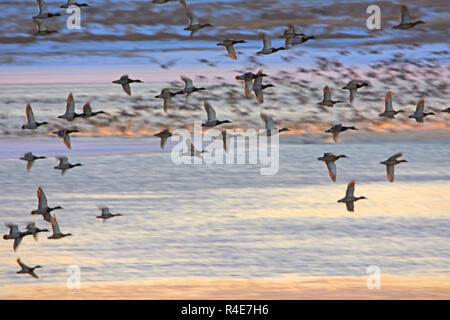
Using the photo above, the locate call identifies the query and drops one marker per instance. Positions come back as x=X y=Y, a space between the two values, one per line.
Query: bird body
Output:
x=70 y=113
x=43 y=209
x=327 y=101
x=33 y=230
x=188 y=87
x=247 y=78
x=87 y=111
x=338 y=128
x=30 y=158
x=64 y=134
x=31 y=121
x=26 y=269
x=125 y=81
x=167 y=95
x=269 y=124
x=57 y=234
x=353 y=86
x=258 y=86
x=194 y=24
x=106 y=214
x=419 y=114
x=229 y=46
x=389 y=112
x=42 y=29
x=64 y=165
x=14 y=234
x=212 y=119
x=164 y=135
x=405 y=20
x=267 y=46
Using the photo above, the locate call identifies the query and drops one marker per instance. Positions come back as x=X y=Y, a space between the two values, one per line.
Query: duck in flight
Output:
x=258 y=86
x=330 y=159
x=43 y=11
x=267 y=46
x=338 y=128
x=269 y=124
x=419 y=114
x=43 y=208
x=26 y=269
x=57 y=234
x=87 y=111
x=327 y=101
x=164 y=135
x=247 y=78
x=194 y=24
x=70 y=113
x=125 y=81
x=290 y=33
x=64 y=134
x=389 y=112
x=188 y=87
x=30 y=158
x=353 y=87
x=14 y=234
x=229 y=46
x=31 y=121
x=167 y=95
x=33 y=230
x=64 y=165
x=106 y=214
x=350 y=198
x=73 y=3
x=390 y=163
x=212 y=119
x=405 y=20
x=42 y=29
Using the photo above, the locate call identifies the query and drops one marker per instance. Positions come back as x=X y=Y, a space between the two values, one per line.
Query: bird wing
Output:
x=30 y=114
x=166 y=104
x=126 y=88
x=17 y=242
x=350 y=189
x=87 y=110
x=42 y=7
x=66 y=140
x=21 y=264
x=335 y=136
x=30 y=225
x=350 y=206
x=163 y=142
x=259 y=95
x=40 y=26
x=29 y=165
x=55 y=226
x=326 y=94
x=287 y=42
x=268 y=121
x=395 y=156
x=332 y=170
x=267 y=42
x=183 y=2
x=231 y=52
x=193 y=20
x=388 y=102
x=405 y=18
x=70 y=104
x=352 y=95
x=248 y=87
x=210 y=111
x=390 y=173
x=62 y=160
x=420 y=105
x=42 y=199
x=187 y=83
x=13 y=228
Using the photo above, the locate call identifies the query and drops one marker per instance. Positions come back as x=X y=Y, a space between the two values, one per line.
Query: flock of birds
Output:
x=253 y=83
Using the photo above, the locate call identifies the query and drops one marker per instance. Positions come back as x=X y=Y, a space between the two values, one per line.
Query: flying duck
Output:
x=192 y=151
x=390 y=164
x=258 y=86
x=211 y=114
x=302 y=39
x=389 y=112
x=194 y=24
x=267 y=46
x=327 y=101
x=42 y=29
x=73 y=3
x=30 y=158
x=70 y=113
x=183 y=2
x=188 y=87
x=350 y=198
x=419 y=114
x=87 y=111
x=228 y=44
x=43 y=11
x=31 y=121
x=338 y=128
x=446 y=110
x=33 y=230
x=43 y=208
x=124 y=81
x=57 y=234
x=329 y=159
x=405 y=20
x=353 y=86
x=290 y=33
x=247 y=78
x=164 y=135
x=64 y=134
x=26 y=269
x=167 y=95
x=270 y=125
x=106 y=214
x=14 y=233
x=65 y=165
